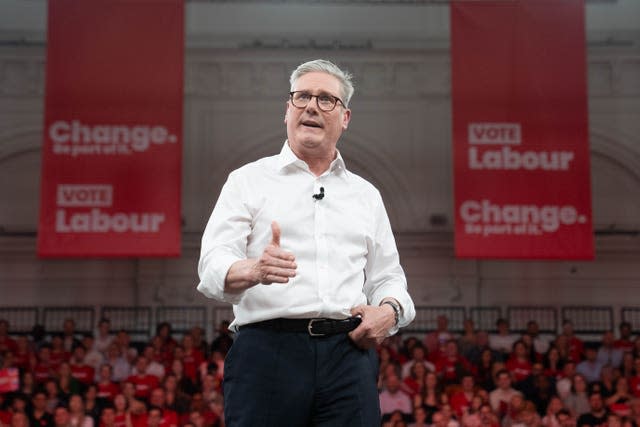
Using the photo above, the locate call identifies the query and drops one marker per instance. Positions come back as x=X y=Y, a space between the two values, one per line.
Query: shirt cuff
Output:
x=212 y=281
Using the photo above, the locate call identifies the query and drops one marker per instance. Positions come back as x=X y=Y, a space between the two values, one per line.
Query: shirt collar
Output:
x=287 y=158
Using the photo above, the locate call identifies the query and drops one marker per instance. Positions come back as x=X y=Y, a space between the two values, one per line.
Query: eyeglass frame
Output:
x=317 y=97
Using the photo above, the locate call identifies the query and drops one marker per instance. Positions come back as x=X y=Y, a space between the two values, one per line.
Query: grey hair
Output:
x=324 y=66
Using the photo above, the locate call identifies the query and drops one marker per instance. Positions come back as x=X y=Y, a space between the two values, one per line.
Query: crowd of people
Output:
x=443 y=379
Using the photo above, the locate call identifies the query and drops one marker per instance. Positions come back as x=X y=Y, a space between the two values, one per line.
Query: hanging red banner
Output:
x=520 y=130
x=111 y=164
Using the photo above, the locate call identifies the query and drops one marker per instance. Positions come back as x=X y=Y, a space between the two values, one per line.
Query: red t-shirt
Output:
x=520 y=369
x=459 y=402
x=8 y=344
x=634 y=385
x=83 y=373
x=108 y=391
x=144 y=384
x=42 y=372
x=191 y=362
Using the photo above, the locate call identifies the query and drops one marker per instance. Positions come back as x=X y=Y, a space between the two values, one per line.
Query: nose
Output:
x=312 y=106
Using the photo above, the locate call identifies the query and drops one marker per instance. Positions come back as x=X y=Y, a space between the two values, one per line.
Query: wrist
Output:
x=395 y=307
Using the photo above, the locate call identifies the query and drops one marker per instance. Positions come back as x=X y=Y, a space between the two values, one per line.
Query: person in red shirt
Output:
x=461 y=400
x=634 y=381
x=107 y=389
x=58 y=353
x=43 y=369
x=6 y=342
x=158 y=399
x=23 y=356
x=576 y=345
x=191 y=358
x=451 y=366
x=143 y=381
x=519 y=364
x=625 y=342
x=82 y=372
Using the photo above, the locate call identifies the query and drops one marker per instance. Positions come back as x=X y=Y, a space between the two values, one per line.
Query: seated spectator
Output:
x=167 y=344
x=553 y=363
x=514 y=411
x=417 y=356
x=635 y=411
x=158 y=399
x=451 y=366
x=433 y=395
x=619 y=402
x=61 y=416
x=608 y=354
x=80 y=370
x=58 y=353
x=103 y=337
x=485 y=369
x=125 y=348
x=575 y=344
x=625 y=342
x=392 y=398
x=77 y=416
x=107 y=389
x=434 y=341
x=500 y=398
x=413 y=384
x=69 y=338
x=444 y=417
x=550 y=418
x=627 y=367
x=538 y=388
x=419 y=418
x=606 y=384
x=67 y=384
x=590 y=367
x=502 y=342
x=468 y=339
x=577 y=401
x=184 y=383
x=222 y=342
x=53 y=393
x=143 y=381
x=540 y=344
x=474 y=354
x=19 y=419
x=177 y=400
x=121 y=408
x=488 y=417
x=563 y=385
x=192 y=358
x=108 y=417
x=91 y=406
x=154 y=367
x=38 y=415
x=120 y=367
x=471 y=415
x=92 y=356
x=461 y=400
x=23 y=356
x=519 y=364
x=6 y=342
x=597 y=414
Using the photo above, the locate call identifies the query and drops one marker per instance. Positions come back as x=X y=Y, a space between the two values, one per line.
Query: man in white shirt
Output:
x=295 y=238
x=500 y=398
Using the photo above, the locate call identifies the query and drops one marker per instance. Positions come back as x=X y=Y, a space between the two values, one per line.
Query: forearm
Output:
x=241 y=276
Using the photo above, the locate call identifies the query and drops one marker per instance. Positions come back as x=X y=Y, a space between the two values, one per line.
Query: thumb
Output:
x=275 y=234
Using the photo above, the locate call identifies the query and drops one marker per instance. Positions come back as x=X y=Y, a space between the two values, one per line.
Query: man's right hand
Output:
x=275 y=265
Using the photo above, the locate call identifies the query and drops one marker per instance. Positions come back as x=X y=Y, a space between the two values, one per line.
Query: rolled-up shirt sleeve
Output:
x=224 y=242
x=384 y=275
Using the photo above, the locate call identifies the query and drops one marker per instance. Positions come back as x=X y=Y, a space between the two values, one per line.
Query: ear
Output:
x=346 y=117
x=286 y=111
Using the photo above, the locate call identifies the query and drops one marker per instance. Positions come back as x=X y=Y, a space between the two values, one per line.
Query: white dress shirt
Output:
x=343 y=245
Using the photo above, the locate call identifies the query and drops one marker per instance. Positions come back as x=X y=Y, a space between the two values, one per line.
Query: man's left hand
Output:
x=376 y=323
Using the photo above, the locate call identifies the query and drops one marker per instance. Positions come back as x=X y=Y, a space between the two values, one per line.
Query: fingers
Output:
x=275 y=234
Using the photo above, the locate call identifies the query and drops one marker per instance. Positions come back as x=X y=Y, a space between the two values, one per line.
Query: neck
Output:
x=318 y=162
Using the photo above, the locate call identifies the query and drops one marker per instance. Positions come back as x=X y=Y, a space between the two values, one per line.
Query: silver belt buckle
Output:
x=310 y=325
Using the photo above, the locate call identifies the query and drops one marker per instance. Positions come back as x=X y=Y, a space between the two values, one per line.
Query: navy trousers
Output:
x=291 y=379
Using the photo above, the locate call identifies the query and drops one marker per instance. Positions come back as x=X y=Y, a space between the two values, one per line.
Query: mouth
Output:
x=311 y=124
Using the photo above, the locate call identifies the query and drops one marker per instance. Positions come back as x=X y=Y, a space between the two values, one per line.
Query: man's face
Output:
x=311 y=131
x=595 y=401
x=61 y=416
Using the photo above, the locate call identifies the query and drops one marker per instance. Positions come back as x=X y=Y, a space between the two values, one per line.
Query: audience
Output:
x=472 y=380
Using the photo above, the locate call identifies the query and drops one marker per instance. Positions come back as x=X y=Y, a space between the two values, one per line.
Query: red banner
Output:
x=520 y=132
x=111 y=170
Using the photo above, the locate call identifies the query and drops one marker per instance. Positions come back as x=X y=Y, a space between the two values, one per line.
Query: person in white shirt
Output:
x=303 y=249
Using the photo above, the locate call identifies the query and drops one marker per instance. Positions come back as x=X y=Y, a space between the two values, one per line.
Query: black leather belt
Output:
x=314 y=327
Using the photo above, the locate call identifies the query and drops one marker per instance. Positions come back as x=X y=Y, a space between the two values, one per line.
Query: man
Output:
x=608 y=354
x=625 y=343
x=590 y=367
x=436 y=340
x=294 y=238
x=598 y=414
x=500 y=398
x=392 y=398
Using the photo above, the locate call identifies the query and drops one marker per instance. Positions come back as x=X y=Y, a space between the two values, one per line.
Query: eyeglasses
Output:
x=325 y=102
